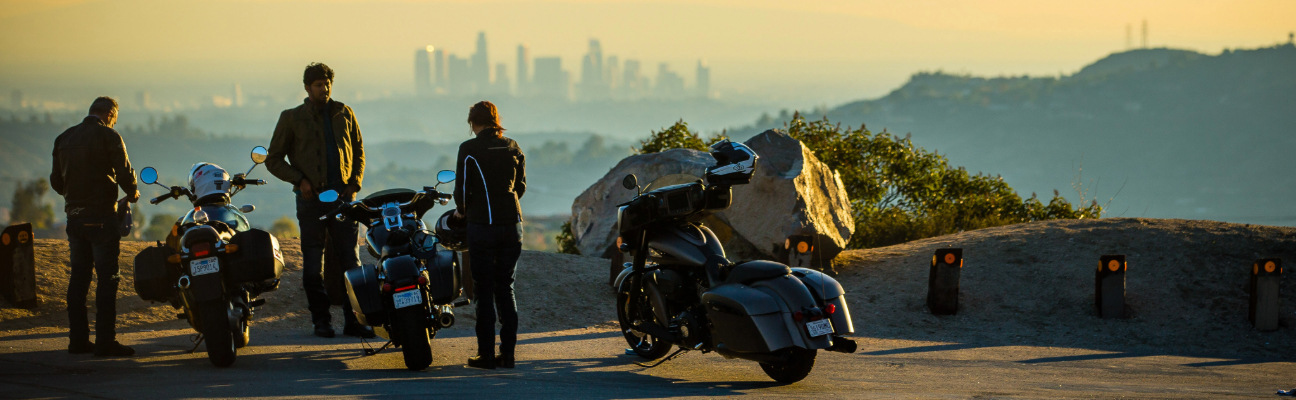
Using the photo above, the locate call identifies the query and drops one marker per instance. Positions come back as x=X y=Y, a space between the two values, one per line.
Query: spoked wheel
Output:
x=218 y=333
x=798 y=365
x=632 y=307
x=410 y=325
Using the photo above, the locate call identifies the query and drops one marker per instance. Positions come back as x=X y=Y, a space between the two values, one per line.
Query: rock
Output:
x=792 y=193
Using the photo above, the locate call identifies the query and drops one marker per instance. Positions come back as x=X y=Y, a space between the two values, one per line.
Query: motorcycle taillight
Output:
x=201 y=249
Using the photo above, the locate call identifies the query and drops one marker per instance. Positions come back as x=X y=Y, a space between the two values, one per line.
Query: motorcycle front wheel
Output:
x=217 y=333
x=632 y=306
x=798 y=365
x=410 y=325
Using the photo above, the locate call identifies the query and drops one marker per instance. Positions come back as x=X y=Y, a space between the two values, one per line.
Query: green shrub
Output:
x=900 y=192
x=284 y=228
x=29 y=204
x=566 y=242
x=677 y=136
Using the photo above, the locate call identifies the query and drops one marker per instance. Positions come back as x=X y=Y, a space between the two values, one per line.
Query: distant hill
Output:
x=1192 y=135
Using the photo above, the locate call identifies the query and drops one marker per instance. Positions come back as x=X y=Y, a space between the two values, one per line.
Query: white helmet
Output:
x=735 y=164
x=207 y=179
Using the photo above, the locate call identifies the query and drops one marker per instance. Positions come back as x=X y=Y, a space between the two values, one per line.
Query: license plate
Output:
x=204 y=266
x=819 y=328
x=408 y=298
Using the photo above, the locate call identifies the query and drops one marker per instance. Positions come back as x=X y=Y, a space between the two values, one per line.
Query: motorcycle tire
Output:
x=217 y=333
x=798 y=365
x=630 y=305
x=411 y=327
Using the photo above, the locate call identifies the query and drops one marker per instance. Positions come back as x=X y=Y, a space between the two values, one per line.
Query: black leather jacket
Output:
x=490 y=178
x=90 y=163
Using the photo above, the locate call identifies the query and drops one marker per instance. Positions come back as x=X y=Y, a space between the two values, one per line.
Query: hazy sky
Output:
x=828 y=50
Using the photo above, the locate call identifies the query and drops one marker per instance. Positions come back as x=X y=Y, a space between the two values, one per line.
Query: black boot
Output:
x=324 y=330
x=81 y=346
x=504 y=361
x=358 y=330
x=112 y=349
x=482 y=362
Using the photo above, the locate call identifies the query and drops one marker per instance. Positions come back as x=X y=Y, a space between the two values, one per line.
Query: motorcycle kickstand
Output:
x=197 y=341
x=672 y=356
x=369 y=351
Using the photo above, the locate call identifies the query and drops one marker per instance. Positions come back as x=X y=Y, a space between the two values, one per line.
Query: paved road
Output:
x=588 y=364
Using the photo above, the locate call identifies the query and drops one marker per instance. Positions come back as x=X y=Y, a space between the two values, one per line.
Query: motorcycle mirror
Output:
x=445 y=176
x=247 y=208
x=259 y=154
x=328 y=196
x=148 y=175
x=630 y=182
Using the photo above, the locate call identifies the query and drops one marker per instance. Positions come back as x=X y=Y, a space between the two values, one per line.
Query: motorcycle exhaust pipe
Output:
x=446 y=319
x=843 y=345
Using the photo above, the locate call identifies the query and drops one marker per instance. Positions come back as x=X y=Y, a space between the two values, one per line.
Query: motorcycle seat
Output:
x=756 y=270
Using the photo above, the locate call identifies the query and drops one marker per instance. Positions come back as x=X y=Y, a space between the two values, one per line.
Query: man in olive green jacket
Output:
x=321 y=141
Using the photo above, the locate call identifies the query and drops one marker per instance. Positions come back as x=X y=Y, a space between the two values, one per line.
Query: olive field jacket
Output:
x=299 y=137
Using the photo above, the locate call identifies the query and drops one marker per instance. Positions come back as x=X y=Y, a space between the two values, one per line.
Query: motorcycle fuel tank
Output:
x=685 y=244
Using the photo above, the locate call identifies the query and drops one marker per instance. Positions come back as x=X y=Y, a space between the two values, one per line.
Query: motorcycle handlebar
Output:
x=445 y=197
x=158 y=199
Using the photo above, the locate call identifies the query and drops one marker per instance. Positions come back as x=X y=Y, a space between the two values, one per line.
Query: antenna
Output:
x=1129 y=36
x=1145 y=33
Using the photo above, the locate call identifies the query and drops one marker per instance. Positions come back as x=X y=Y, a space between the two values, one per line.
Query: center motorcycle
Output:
x=214 y=264
x=408 y=296
x=681 y=290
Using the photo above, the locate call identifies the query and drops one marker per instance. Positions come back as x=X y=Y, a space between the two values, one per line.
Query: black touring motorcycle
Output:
x=213 y=264
x=408 y=296
x=681 y=290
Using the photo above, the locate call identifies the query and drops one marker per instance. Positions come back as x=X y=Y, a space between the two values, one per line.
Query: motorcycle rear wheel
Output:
x=218 y=333
x=410 y=325
x=629 y=306
x=798 y=365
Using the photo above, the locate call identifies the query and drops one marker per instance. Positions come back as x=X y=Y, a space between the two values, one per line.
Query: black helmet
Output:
x=735 y=164
x=453 y=232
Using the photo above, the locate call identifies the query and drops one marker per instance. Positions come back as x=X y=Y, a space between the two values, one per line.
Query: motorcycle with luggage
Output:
x=213 y=265
x=681 y=290
x=410 y=293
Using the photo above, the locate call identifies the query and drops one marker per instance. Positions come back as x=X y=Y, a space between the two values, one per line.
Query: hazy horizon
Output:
x=761 y=52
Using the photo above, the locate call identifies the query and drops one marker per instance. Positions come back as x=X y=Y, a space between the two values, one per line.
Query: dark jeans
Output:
x=314 y=236
x=94 y=244
x=494 y=251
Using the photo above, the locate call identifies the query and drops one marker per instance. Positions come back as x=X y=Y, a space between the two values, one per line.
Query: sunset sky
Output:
x=827 y=50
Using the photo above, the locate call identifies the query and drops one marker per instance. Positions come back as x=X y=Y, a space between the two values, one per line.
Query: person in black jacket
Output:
x=90 y=163
x=491 y=172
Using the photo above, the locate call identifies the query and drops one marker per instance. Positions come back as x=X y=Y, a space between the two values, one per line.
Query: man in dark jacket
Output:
x=90 y=163
x=321 y=142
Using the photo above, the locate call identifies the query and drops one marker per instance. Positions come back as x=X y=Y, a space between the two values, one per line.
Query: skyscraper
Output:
x=612 y=73
x=501 y=80
x=422 y=72
x=550 y=80
x=632 y=82
x=703 y=88
x=592 y=85
x=480 y=65
x=440 y=74
x=459 y=79
x=669 y=83
x=523 y=58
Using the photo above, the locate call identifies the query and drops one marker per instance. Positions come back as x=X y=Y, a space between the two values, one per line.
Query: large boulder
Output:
x=791 y=193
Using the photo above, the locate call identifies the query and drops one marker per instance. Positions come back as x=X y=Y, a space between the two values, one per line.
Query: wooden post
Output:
x=799 y=251
x=1266 y=274
x=18 y=266
x=1109 y=286
x=943 y=281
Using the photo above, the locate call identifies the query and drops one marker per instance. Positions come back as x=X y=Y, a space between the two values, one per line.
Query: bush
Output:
x=900 y=192
x=160 y=226
x=29 y=204
x=677 y=136
x=566 y=242
x=284 y=228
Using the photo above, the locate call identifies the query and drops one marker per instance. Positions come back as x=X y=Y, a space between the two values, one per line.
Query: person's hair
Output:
x=485 y=114
x=103 y=105
x=317 y=71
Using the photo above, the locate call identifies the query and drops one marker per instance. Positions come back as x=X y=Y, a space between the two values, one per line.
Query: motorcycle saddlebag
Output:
x=745 y=320
x=154 y=279
x=258 y=258
x=443 y=284
x=365 y=294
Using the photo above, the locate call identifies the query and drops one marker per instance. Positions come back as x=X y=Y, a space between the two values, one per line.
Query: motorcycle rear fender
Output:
x=207 y=287
x=365 y=293
x=828 y=291
x=400 y=270
x=794 y=297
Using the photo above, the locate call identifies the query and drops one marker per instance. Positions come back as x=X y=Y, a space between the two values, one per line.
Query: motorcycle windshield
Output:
x=224 y=213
